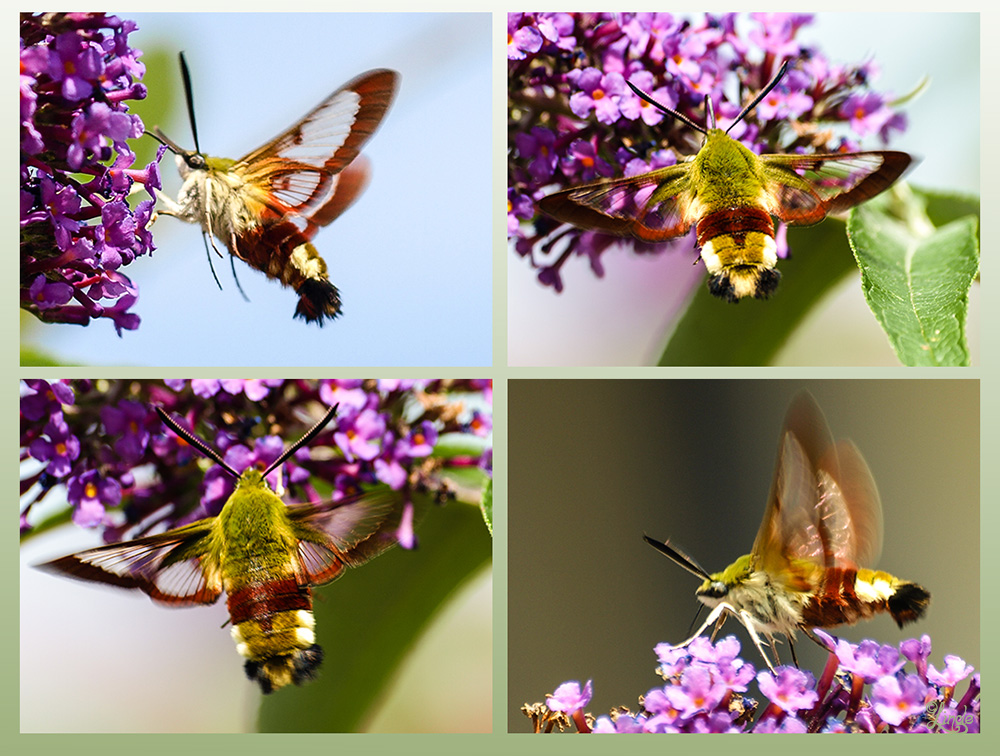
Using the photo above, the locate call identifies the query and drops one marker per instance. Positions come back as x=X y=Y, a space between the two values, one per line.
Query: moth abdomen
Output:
x=738 y=247
x=273 y=630
x=284 y=253
x=740 y=281
x=849 y=595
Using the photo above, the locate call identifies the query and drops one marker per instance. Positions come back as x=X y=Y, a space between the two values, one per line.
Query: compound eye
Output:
x=196 y=161
x=716 y=589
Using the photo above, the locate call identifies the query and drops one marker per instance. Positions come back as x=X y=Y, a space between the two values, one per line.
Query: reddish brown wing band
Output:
x=809 y=187
x=167 y=567
x=301 y=165
x=893 y=166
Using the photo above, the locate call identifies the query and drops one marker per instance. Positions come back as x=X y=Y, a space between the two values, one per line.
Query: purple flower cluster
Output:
x=572 y=119
x=96 y=443
x=706 y=686
x=77 y=229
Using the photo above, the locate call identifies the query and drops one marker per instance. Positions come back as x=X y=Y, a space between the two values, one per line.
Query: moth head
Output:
x=718 y=585
x=187 y=160
x=190 y=161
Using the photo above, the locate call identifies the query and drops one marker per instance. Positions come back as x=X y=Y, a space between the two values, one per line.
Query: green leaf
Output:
x=944 y=207
x=917 y=276
x=713 y=332
x=31 y=357
x=459 y=445
x=368 y=621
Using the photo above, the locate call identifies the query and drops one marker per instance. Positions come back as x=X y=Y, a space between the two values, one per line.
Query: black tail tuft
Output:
x=908 y=603
x=721 y=284
x=767 y=283
x=307 y=664
x=318 y=299
x=276 y=672
x=721 y=287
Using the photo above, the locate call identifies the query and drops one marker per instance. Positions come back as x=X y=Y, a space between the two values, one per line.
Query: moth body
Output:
x=263 y=554
x=269 y=603
x=729 y=194
x=816 y=597
x=822 y=523
x=236 y=212
x=774 y=610
x=267 y=207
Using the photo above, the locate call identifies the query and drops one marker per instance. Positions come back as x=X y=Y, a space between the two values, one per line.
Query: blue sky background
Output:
x=412 y=259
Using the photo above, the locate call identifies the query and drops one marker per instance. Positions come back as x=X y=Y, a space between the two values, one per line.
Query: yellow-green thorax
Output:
x=253 y=531
x=726 y=175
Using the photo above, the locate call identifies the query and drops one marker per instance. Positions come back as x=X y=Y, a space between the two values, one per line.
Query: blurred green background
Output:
x=626 y=317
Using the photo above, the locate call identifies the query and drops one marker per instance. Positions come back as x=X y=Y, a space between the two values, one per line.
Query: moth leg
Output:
x=232 y=265
x=208 y=220
x=208 y=254
x=809 y=634
x=746 y=620
x=234 y=250
x=718 y=626
x=167 y=206
x=206 y=233
x=713 y=616
x=791 y=647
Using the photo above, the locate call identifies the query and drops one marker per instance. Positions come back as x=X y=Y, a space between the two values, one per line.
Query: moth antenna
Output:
x=162 y=138
x=763 y=93
x=195 y=441
x=309 y=436
x=678 y=557
x=189 y=96
x=664 y=109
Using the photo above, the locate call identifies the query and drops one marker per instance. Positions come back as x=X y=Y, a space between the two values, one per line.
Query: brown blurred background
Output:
x=594 y=464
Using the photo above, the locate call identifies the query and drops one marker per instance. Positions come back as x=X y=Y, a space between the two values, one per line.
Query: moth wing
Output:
x=297 y=171
x=850 y=512
x=788 y=529
x=346 y=533
x=823 y=509
x=350 y=183
x=651 y=207
x=175 y=567
x=804 y=189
